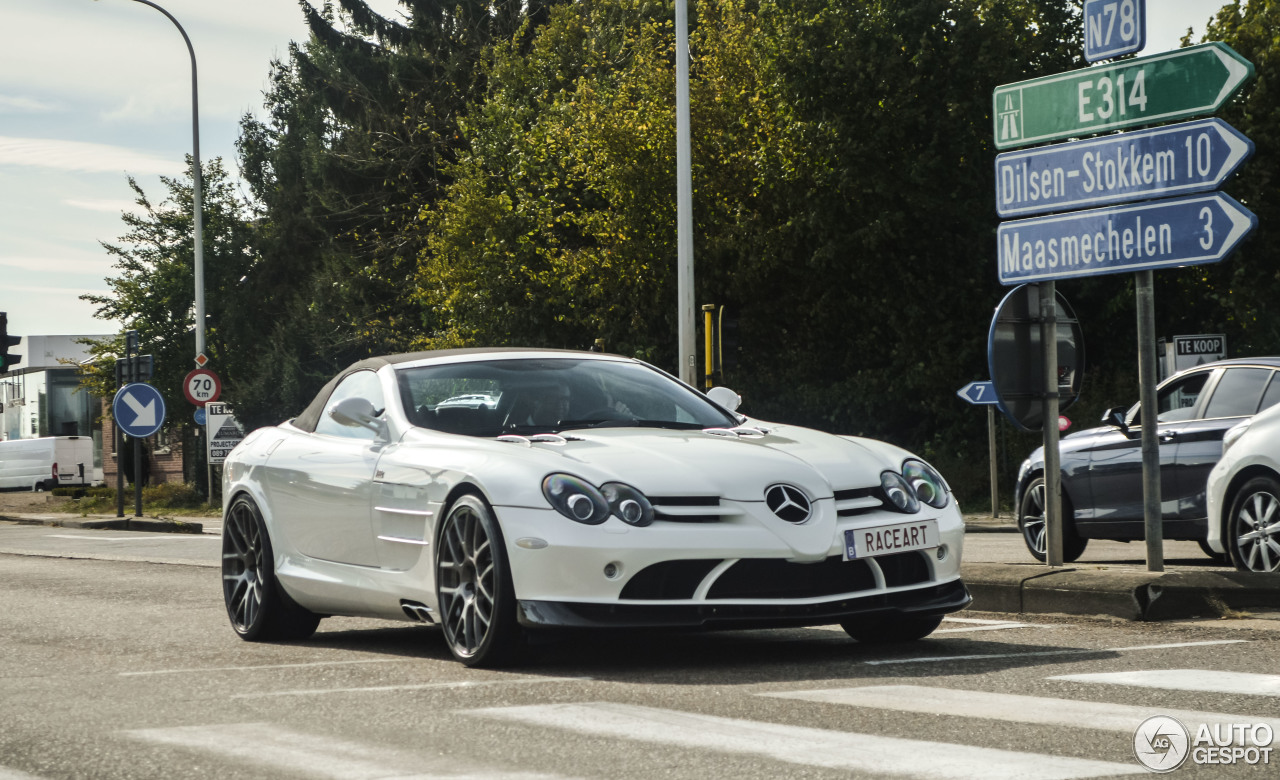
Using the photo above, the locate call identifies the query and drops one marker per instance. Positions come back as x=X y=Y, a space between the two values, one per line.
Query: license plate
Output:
x=888 y=539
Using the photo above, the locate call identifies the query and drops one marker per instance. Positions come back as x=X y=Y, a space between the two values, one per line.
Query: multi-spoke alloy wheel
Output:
x=258 y=610
x=477 y=602
x=1032 y=524
x=1255 y=526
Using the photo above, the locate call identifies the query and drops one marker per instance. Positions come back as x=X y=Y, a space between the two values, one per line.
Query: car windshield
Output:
x=548 y=395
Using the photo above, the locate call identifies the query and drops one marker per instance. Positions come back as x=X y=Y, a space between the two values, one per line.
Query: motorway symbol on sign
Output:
x=978 y=393
x=1171 y=160
x=138 y=410
x=1180 y=84
x=1113 y=28
x=1193 y=230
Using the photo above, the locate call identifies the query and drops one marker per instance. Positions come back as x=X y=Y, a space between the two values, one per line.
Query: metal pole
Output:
x=137 y=477
x=687 y=347
x=709 y=328
x=197 y=183
x=1151 y=515
x=119 y=437
x=1052 y=467
x=991 y=457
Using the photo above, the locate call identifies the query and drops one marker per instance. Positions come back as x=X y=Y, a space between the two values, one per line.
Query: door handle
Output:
x=1168 y=436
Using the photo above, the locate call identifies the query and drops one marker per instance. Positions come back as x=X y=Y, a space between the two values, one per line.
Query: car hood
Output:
x=662 y=462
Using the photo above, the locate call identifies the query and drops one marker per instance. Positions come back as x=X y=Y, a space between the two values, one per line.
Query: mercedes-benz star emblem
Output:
x=788 y=502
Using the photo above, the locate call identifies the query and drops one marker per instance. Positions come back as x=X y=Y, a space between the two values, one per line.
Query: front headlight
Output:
x=576 y=499
x=1233 y=434
x=926 y=483
x=898 y=491
x=628 y=504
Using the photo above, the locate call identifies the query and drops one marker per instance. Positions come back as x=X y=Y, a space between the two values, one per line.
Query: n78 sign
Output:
x=1113 y=28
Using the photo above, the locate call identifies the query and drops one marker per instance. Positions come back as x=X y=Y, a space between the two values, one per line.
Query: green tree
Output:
x=362 y=122
x=153 y=291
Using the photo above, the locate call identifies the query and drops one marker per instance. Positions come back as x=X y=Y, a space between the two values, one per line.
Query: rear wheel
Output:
x=258 y=608
x=885 y=631
x=1253 y=532
x=1035 y=532
x=473 y=587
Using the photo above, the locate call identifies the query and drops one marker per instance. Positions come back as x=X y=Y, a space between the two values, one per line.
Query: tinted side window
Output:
x=1272 y=395
x=362 y=384
x=1177 y=401
x=1238 y=393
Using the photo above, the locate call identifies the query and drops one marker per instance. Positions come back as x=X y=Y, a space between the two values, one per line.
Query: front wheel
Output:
x=473 y=587
x=884 y=631
x=1032 y=522
x=259 y=610
x=1253 y=533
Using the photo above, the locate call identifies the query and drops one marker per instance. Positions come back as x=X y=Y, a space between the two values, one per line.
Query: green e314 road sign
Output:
x=1163 y=87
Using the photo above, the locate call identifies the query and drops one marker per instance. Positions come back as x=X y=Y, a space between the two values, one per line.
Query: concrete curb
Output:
x=1130 y=595
x=148 y=524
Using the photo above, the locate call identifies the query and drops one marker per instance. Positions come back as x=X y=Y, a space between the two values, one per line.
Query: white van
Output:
x=43 y=464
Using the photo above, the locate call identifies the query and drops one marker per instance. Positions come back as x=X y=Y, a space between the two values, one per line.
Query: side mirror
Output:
x=1115 y=418
x=725 y=397
x=357 y=412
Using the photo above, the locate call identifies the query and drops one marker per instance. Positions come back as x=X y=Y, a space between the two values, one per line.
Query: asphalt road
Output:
x=128 y=669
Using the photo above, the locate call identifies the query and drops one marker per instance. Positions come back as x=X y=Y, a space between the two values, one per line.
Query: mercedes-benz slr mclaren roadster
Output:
x=500 y=493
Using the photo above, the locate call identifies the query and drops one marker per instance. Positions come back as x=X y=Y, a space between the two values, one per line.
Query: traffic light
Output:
x=7 y=360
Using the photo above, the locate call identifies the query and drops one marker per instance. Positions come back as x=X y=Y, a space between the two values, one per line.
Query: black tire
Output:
x=260 y=611
x=473 y=587
x=1212 y=553
x=1253 y=527
x=884 y=631
x=1031 y=522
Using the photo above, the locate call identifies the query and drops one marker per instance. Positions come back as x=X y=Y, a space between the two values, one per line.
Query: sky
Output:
x=94 y=91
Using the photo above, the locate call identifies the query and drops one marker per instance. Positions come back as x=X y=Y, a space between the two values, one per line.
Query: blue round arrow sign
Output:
x=138 y=410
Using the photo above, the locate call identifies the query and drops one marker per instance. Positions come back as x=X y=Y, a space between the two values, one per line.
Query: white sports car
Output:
x=596 y=491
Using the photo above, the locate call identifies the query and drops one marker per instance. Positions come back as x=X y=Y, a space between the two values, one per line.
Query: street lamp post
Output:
x=198 y=186
x=686 y=336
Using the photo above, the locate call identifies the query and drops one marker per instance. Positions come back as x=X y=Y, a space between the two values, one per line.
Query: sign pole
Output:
x=1151 y=513
x=991 y=457
x=1052 y=463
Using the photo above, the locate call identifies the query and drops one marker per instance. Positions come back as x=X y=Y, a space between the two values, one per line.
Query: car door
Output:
x=321 y=483
x=1115 y=464
x=1235 y=396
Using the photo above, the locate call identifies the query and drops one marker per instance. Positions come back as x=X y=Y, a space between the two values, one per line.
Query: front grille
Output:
x=858 y=501
x=771 y=578
x=686 y=509
x=668 y=580
x=907 y=568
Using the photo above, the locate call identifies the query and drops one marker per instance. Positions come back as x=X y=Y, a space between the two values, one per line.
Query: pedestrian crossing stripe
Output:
x=805 y=746
x=1202 y=680
x=1014 y=708
x=321 y=756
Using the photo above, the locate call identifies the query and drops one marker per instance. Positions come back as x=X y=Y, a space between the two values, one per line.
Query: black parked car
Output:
x=1102 y=467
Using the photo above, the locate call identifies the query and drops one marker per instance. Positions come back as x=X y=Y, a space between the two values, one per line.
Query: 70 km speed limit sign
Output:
x=202 y=386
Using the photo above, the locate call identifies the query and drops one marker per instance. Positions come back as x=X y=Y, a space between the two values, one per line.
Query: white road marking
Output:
x=968 y=624
x=415 y=687
x=1205 y=680
x=94 y=538
x=805 y=746
x=13 y=774
x=1011 y=707
x=263 y=744
x=1034 y=653
x=208 y=669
